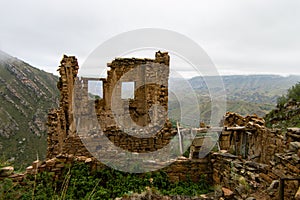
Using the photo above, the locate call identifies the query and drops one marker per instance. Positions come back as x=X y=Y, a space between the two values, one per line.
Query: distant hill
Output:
x=26 y=95
x=246 y=94
x=251 y=88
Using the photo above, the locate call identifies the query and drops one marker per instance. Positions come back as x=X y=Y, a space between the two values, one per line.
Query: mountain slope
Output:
x=246 y=94
x=26 y=95
x=287 y=111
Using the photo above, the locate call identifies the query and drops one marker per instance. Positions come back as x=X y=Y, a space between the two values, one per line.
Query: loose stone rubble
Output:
x=258 y=158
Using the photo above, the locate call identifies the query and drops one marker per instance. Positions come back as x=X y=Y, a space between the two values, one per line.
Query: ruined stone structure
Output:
x=249 y=138
x=150 y=78
x=250 y=160
x=141 y=116
x=254 y=158
x=129 y=123
x=62 y=137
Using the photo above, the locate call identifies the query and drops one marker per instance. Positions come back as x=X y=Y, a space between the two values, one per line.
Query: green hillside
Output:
x=287 y=111
x=26 y=95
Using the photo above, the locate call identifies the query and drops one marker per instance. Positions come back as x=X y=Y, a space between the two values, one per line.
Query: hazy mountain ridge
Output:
x=26 y=95
x=245 y=94
x=251 y=88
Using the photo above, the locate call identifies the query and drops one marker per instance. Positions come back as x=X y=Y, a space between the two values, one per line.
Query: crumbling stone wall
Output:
x=249 y=138
x=142 y=115
x=248 y=178
x=61 y=127
x=151 y=88
x=253 y=166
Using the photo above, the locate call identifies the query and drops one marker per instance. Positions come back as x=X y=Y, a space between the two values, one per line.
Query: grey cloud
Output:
x=243 y=36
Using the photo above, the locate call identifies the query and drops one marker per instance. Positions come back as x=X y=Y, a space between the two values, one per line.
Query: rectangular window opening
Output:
x=127 y=90
x=95 y=89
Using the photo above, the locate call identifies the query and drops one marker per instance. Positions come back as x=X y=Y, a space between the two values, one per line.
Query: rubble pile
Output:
x=235 y=120
x=255 y=158
x=249 y=138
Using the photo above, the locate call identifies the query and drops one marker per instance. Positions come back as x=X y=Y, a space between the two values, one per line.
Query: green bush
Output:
x=294 y=92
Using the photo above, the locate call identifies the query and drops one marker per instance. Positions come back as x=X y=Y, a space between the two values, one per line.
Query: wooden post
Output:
x=281 y=189
x=180 y=139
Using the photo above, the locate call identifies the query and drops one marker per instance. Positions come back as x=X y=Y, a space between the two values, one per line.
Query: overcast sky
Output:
x=241 y=37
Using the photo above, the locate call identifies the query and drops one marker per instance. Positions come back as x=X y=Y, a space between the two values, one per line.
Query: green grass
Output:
x=78 y=182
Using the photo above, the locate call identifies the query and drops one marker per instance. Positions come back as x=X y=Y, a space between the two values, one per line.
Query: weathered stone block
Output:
x=6 y=171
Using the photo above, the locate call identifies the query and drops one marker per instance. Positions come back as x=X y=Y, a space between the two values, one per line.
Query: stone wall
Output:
x=136 y=115
x=248 y=178
x=61 y=121
x=142 y=115
x=254 y=159
x=124 y=121
x=248 y=138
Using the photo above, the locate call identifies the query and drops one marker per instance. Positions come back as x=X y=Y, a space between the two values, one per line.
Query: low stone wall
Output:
x=195 y=169
x=241 y=176
x=182 y=169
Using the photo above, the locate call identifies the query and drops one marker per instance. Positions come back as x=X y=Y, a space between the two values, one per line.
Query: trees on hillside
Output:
x=292 y=94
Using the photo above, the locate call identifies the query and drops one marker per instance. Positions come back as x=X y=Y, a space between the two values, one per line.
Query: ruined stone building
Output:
x=250 y=160
x=150 y=79
x=137 y=124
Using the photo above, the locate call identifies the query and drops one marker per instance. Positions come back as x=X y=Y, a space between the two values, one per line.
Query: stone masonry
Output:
x=150 y=77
